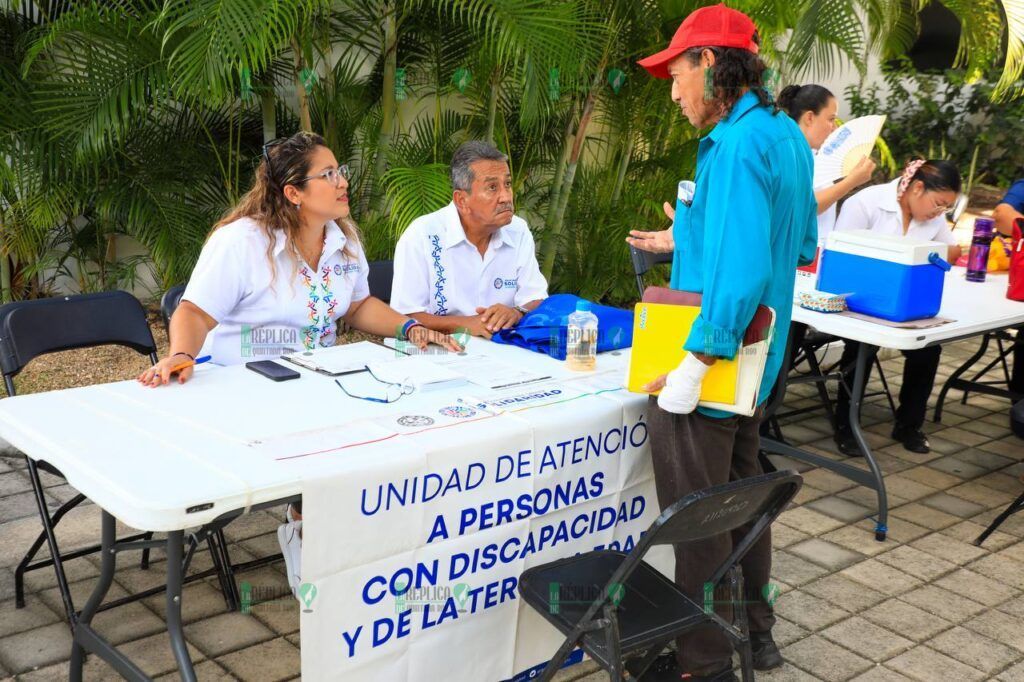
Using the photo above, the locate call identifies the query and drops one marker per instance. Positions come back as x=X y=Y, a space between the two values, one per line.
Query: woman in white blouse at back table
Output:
x=914 y=206
x=814 y=109
x=276 y=274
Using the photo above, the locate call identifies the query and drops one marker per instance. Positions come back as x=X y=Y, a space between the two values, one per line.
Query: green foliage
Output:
x=145 y=118
x=945 y=115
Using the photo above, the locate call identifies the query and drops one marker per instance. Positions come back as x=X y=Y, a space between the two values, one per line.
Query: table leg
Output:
x=873 y=477
x=864 y=356
x=87 y=639
x=952 y=381
x=175 y=576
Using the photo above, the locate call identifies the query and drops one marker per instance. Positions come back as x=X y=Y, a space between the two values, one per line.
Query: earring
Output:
x=298 y=205
x=709 y=85
x=771 y=81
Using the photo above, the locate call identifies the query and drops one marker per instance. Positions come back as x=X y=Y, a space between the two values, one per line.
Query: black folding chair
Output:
x=381 y=274
x=1008 y=344
x=169 y=303
x=29 y=329
x=643 y=262
x=618 y=606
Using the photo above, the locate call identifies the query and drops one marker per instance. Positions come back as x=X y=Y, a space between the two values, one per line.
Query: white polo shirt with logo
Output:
x=438 y=271
x=263 y=314
x=876 y=208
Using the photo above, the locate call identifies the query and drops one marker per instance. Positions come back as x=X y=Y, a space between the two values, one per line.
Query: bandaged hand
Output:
x=682 y=386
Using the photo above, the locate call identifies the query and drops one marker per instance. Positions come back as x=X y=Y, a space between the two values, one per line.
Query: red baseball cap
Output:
x=715 y=26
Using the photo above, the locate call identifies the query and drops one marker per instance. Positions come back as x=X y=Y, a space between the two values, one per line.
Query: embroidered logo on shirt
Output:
x=346 y=268
x=500 y=283
x=439 y=282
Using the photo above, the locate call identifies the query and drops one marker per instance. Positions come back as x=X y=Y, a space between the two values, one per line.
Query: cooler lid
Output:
x=893 y=248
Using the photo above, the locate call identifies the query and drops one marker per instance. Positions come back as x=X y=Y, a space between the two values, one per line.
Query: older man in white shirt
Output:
x=473 y=264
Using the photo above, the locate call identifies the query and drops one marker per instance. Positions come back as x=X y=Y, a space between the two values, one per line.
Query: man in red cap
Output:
x=737 y=238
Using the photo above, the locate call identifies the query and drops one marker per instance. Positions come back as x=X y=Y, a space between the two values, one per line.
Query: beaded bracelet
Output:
x=407 y=327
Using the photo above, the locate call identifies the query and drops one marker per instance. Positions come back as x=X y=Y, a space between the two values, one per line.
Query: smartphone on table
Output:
x=272 y=370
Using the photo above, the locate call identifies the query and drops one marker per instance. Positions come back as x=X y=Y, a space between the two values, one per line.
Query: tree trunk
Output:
x=556 y=182
x=620 y=178
x=492 y=105
x=268 y=110
x=388 y=104
x=555 y=228
x=6 y=295
x=109 y=259
x=305 y=122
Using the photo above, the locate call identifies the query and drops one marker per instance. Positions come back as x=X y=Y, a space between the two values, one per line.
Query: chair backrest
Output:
x=722 y=508
x=643 y=261
x=169 y=303
x=705 y=513
x=380 y=276
x=29 y=329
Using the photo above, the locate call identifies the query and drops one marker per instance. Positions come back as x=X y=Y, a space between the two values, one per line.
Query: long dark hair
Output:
x=284 y=162
x=734 y=69
x=797 y=100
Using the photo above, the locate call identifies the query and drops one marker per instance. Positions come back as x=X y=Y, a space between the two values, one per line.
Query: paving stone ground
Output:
x=926 y=605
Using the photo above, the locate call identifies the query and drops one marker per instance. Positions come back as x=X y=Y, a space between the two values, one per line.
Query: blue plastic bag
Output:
x=545 y=329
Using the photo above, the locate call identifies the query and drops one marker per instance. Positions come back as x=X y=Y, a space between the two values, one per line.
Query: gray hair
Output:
x=467 y=154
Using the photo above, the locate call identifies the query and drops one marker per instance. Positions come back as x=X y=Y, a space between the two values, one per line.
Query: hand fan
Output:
x=845 y=147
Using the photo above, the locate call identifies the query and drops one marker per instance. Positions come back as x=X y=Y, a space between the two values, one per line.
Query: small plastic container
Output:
x=581 y=346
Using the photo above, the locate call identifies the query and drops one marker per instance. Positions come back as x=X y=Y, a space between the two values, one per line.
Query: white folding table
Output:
x=197 y=456
x=975 y=308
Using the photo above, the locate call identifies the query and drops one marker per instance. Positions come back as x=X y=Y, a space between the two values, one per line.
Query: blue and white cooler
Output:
x=886 y=276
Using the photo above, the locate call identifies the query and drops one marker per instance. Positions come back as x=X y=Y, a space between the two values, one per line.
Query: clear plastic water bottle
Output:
x=581 y=349
x=977 y=260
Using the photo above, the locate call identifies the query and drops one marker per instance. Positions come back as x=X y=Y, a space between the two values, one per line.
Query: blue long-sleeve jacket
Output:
x=752 y=221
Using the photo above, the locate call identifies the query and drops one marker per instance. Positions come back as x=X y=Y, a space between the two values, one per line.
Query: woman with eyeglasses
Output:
x=914 y=206
x=275 y=276
x=280 y=269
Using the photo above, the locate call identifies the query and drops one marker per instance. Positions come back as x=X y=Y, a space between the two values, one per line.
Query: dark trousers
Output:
x=692 y=452
x=918 y=381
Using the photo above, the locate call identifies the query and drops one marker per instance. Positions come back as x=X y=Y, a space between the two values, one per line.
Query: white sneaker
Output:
x=288 y=534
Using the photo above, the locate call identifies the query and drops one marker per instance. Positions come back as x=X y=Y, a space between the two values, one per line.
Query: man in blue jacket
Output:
x=753 y=218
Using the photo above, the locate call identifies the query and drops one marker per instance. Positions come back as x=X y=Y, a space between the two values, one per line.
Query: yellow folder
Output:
x=659 y=331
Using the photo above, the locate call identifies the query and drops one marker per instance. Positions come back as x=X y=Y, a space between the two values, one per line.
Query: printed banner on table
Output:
x=413 y=549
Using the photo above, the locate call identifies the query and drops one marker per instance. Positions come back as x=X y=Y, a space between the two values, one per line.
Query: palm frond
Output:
x=1010 y=85
x=826 y=31
x=209 y=42
x=415 y=191
x=980 y=34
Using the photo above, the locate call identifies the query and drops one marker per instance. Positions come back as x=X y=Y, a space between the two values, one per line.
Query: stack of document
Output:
x=660 y=330
x=419 y=371
x=344 y=359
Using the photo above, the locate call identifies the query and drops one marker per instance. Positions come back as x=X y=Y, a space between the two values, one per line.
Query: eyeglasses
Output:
x=393 y=393
x=938 y=207
x=268 y=145
x=331 y=175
